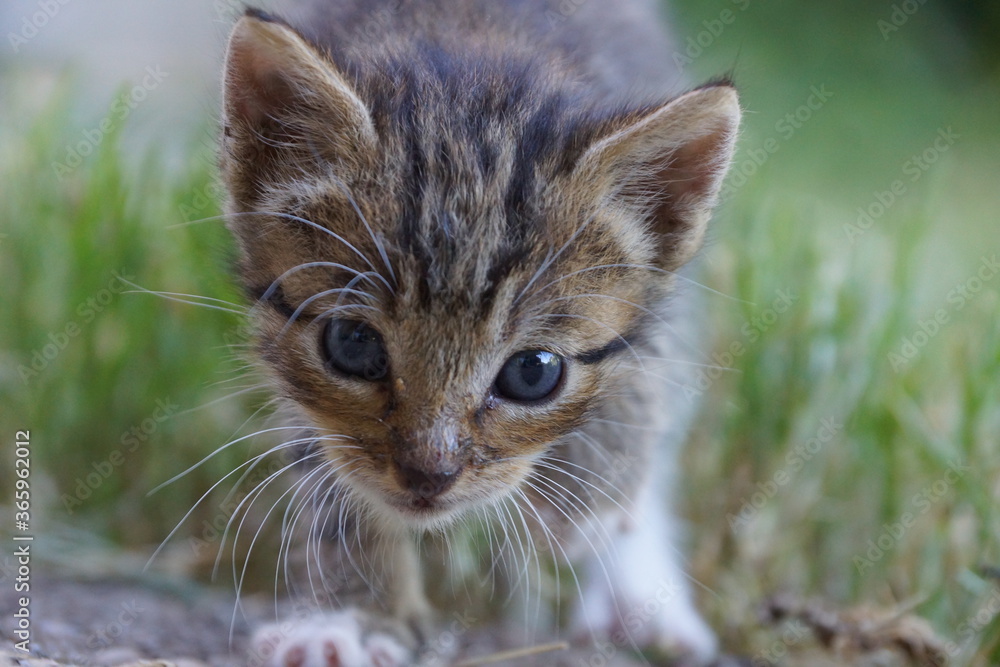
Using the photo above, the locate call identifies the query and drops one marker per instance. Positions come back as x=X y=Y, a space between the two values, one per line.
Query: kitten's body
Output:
x=472 y=180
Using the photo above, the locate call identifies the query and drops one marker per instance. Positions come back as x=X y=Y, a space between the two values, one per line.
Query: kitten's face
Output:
x=452 y=281
x=448 y=368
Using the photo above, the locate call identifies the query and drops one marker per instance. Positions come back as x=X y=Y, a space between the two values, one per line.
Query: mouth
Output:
x=424 y=511
x=422 y=503
x=420 y=506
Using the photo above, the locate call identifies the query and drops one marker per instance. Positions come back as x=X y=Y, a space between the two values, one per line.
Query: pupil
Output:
x=356 y=349
x=358 y=339
x=533 y=367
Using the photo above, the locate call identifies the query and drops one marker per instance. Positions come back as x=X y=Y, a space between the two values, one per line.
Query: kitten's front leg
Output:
x=640 y=597
x=404 y=584
x=353 y=637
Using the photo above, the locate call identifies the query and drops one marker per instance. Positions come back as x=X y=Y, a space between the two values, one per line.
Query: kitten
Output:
x=463 y=221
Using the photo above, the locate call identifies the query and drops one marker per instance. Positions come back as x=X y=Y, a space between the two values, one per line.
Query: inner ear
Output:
x=262 y=96
x=687 y=184
x=666 y=165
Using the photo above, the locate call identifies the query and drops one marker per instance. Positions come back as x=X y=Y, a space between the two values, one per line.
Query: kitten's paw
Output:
x=333 y=640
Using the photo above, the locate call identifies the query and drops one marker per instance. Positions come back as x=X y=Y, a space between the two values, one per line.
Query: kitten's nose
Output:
x=426 y=485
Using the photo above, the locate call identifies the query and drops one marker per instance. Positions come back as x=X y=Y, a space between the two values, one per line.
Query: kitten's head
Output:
x=452 y=257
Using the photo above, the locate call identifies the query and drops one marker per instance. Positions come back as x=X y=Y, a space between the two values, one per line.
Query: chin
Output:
x=410 y=513
x=426 y=515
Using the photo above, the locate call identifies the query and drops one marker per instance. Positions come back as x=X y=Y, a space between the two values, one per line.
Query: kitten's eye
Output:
x=530 y=375
x=355 y=348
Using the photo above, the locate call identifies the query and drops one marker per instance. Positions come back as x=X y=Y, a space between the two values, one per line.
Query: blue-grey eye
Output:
x=354 y=348
x=530 y=375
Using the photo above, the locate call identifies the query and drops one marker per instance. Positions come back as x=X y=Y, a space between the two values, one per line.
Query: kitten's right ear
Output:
x=281 y=94
x=667 y=163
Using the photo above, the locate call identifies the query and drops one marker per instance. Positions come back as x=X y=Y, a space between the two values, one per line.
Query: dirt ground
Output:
x=170 y=622
x=120 y=621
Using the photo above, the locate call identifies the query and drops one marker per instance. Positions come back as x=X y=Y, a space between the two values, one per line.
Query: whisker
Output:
x=367 y=275
x=550 y=260
x=688 y=362
x=169 y=296
x=378 y=242
x=198 y=502
x=635 y=305
x=574 y=503
x=255 y=494
x=238 y=392
x=289 y=529
x=545 y=463
x=188 y=223
x=310 y=223
x=553 y=544
x=283 y=446
x=217 y=451
x=305 y=304
x=643 y=267
x=239 y=307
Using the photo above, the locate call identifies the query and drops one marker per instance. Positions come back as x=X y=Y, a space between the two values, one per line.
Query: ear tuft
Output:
x=669 y=164
x=256 y=13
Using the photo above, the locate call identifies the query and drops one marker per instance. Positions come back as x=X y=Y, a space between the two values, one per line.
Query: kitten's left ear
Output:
x=668 y=164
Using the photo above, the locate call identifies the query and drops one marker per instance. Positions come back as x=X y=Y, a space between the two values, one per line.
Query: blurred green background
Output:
x=857 y=246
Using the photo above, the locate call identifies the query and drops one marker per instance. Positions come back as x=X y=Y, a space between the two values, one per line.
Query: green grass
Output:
x=87 y=359
x=838 y=351
x=814 y=443
x=828 y=355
